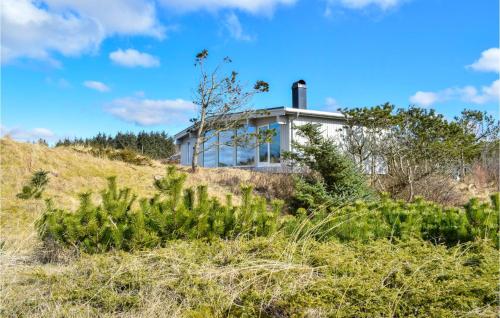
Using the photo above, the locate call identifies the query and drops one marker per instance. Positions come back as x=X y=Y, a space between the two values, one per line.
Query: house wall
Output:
x=331 y=128
x=186 y=149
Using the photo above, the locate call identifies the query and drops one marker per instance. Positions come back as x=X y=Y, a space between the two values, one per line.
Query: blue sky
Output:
x=78 y=67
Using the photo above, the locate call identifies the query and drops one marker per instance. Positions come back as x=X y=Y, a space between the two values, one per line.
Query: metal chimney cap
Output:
x=299 y=83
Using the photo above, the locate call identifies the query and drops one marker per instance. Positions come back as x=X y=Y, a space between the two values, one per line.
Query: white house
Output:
x=265 y=156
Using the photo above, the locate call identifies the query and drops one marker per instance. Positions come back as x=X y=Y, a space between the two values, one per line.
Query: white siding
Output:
x=186 y=148
x=331 y=128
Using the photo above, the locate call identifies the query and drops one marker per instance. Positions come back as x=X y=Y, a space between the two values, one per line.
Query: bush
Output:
x=389 y=219
x=36 y=186
x=174 y=213
x=330 y=177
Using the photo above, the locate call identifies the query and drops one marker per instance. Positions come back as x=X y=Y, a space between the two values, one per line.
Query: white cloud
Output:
x=133 y=58
x=331 y=104
x=362 y=4
x=424 y=99
x=38 y=29
x=129 y=17
x=95 y=85
x=265 y=7
x=147 y=112
x=467 y=94
x=233 y=26
x=21 y=134
x=488 y=62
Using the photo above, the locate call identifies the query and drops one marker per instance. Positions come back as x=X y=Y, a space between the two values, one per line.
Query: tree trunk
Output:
x=198 y=141
x=410 y=184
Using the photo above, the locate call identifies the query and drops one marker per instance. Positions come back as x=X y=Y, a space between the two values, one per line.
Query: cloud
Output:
x=42 y=29
x=488 y=62
x=133 y=58
x=424 y=99
x=362 y=4
x=468 y=94
x=126 y=17
x=233 y=26
x=265 y=7
x=21 y=134
x=147 y=112
x=95 y=85
x=331 y=104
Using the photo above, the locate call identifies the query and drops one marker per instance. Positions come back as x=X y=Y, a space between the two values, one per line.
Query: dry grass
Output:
x=73 y=172
x=263 y=277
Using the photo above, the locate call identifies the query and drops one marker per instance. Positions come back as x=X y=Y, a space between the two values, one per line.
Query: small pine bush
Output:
x=35 y=187
x=176 y=212
x=399 y=220
x=173 y=213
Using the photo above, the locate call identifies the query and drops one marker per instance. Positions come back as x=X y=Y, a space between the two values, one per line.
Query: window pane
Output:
x=210 y=151
x=226 y=149
x=263 y=147
x=245 y=152
x=275 y=143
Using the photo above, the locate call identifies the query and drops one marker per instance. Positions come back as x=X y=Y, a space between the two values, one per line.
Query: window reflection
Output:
x=245 y=152
x=226 y=148
x=263 y=146
x=275 y=149
x=210 y=150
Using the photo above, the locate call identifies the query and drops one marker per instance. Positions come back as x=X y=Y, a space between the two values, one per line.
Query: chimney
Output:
x=299 y=96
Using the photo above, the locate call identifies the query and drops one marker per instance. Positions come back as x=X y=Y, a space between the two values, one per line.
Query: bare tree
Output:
x=222 y=101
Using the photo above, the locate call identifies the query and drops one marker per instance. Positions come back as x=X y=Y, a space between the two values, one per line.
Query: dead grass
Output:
x=73 y=172
x=263 y=277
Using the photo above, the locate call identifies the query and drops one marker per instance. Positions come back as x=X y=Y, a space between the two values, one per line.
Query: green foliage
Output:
x=174 y=213
x=415 y=143
x=331 y=179
x=179 y=213
x=265 y=277
x=35 y=187
x=155 y=145
x=399 y=220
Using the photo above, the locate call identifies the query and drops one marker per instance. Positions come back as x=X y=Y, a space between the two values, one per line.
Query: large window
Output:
x=210 y=151
x=270 y=152
x=275 y=147
x=226 y=148
x=245 y=151
x=263 y=147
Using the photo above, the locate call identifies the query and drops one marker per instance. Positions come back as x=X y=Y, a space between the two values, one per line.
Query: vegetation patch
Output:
x=266 y=277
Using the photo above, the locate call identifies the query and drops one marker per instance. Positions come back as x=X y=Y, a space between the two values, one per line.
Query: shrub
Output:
x=390 y=219
x=330 y=177
x=35 y=187
x=174 y=213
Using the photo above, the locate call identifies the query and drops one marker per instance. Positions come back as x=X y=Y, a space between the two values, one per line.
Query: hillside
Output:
x=73 y=172
x=273 y=276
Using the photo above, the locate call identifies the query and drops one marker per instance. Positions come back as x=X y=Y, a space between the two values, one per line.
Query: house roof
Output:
x=279 y=111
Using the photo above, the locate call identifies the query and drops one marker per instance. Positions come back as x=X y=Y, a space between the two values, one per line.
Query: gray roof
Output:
x=279 y=111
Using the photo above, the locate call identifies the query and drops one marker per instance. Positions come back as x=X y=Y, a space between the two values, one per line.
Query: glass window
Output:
x=226 y=148
x=275 y=148
x=210 y=151
x=245 y=152
x=263 y=147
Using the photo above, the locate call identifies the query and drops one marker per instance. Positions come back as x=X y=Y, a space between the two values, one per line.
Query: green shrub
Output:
x=36 y=186
x=390 y=219
x=330 y=177
x=174 y=213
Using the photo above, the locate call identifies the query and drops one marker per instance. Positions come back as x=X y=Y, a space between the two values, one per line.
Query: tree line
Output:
x=156 y=145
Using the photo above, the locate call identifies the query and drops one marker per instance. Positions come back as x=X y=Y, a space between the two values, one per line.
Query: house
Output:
x=265 y=156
